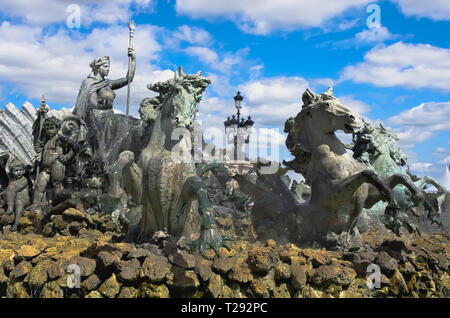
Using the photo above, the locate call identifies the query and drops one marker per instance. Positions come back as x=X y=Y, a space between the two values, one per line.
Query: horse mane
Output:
x=296 y=142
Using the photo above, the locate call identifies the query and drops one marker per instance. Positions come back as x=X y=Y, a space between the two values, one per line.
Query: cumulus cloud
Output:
x=422 y=122
x=37 y=63
x=42 y=12
x=435 y=10
x=403 y=64
x=269 y=15
x=210 y=58
x=193 y=35
x=374 y=35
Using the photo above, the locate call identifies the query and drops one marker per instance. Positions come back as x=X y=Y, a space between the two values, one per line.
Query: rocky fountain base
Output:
x=35 y=264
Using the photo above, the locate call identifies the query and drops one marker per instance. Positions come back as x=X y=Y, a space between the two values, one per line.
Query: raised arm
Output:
x=121 y=82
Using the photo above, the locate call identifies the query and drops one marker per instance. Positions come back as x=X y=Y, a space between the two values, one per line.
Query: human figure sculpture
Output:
x=55 y=155
x=17 y=192
x=109 y=133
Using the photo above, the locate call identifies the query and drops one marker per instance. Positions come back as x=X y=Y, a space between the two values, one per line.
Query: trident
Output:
x=132 y=27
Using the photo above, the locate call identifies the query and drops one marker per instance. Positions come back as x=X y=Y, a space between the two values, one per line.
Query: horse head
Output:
x=320 y=115
x=180 y=96
x=388 y=143
x=328 y=114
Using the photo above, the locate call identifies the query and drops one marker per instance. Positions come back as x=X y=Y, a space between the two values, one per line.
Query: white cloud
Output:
x=356 y=105
x=42 y=12
x=403 y=64
x=192 y=35
x=374 y=35
x=57 y=64
x=441 y=150
x=445 y=161
x=420 y=123
x=212 y=59
x=265 y=16
x=435 y=10
x=271 y=101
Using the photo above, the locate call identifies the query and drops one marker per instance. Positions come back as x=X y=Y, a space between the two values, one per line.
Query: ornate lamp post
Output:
x=236 y=128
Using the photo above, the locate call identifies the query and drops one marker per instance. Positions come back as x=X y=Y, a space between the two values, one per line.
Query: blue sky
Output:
x=271 y=50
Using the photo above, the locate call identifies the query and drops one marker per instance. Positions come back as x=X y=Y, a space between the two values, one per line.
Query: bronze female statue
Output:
x=95 y=107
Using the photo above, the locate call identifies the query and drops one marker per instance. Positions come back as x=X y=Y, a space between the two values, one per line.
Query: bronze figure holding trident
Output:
x=94 y=106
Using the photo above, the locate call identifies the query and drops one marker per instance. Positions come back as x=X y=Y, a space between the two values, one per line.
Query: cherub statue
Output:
x=16 y=195
x=54 y=156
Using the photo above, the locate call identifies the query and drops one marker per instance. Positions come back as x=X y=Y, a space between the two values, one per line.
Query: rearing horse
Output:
x=165 y=179
x=340 y=186
x=385 y=158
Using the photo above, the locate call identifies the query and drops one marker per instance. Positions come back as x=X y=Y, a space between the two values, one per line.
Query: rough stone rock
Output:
x=263 y=259
x=222 y=264
x=37 y=276
x=47 y=230
x=298 y=275
x=224 y=223
x=361 y=266
x=139 y=253
x=184 y=279
x=287 y=255
x=203 y=269
x=52 y=290
x=326 y=275
x=129 y=270
x=183 y=259
x=74 y=214
x=215 y=286
x=407 y=269
x=128 y=292
x=3 y=278
x=281 y=291
x=94 y=294
x=263 y=285
x=317 y=257
x=16 y=290
x=395 y=244
x=240 y=272
x=58 y=222
x=149 y=290
x=234 y=291
x=388 y=265
x=107 y=258
x=90 y=283
x=21 y=269
x=398 y=285
x=57 y=268
x=87 y=265
x=28 y=251
x=7 y=259
x=282 y=271
x=111 y=287
x=6 y=219
x=357 y=289
x=366 y=255
x=75 y=226
x=155 y=268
